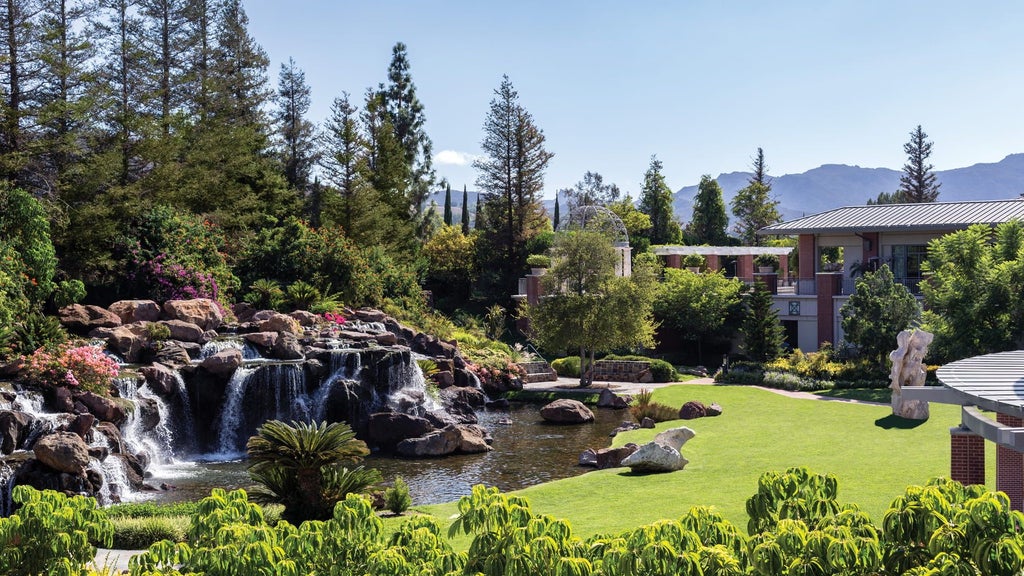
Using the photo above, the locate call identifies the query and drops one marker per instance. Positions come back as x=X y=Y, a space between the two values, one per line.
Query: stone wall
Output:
x=622 y=370
x=539 y=371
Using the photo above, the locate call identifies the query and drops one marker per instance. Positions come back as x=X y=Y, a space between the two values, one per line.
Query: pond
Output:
x=526 y=452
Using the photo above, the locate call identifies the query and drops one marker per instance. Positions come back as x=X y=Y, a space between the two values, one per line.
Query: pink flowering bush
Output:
x=82 y=367
x=334 y=318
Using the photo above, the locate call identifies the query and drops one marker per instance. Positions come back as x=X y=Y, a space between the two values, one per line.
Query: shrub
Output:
x=136 y=533
x=397 y=498
x=538 y=261
x=661 y=371
x=51 y=533
x=158 y=332
x=37 y=331
x=85 y=367
x=568 y=367
x=302 y=295
x=151 y=510
x=265 y=294
x=643 y=407
x=68 y=292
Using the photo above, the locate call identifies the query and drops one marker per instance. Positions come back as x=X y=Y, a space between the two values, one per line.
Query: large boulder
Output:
x=161 y=379
x=14 y=429
x=287 y=347
x=263 y=341
x=277 y=322
x=655 y=457
x=136 y=311
x=63 y=452
x=612 y=457
x=113 y=435
x=693 y=410
x=566 y=411
x=129 y=340
x=436 y=443
x=473 y=439
x=387 y=429
x=223 y=363
x=82 y=425
x=184 y=330
x=203 y=312
x=432 y=346
x=471 y=396
x=675 y=437
x=304 y=318
x=102 y=407
x=609 y=399
x=80 y=319
x=172 y=353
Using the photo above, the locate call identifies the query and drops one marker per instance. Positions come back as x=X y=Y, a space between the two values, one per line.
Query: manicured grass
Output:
x=874 y=455
x=585 y=395
x=880 y=395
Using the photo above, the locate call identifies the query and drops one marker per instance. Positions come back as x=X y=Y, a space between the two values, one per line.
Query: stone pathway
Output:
x=116 y=561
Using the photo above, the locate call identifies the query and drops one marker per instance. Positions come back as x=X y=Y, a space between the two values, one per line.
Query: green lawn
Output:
x=874 y=455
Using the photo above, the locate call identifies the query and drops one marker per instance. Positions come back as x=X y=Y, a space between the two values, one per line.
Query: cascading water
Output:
x=6 y=487
x=345 y=367
x=231 y=412
x=408 y=389
x=146 y=433
x=212 y=347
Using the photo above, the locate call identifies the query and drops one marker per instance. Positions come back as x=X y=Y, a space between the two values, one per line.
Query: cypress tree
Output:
x=763 y=336
x=465 y=211
x=476 y=217
x=448 y=205
x=557 y=216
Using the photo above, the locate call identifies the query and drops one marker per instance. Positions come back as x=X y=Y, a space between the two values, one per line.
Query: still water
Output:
x=526 y=452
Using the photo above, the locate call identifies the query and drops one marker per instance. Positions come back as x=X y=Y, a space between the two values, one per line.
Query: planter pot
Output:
x=694 y=269
x=765 y=269
x=538 y=271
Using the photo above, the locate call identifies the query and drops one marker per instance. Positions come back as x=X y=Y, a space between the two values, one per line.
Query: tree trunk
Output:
x=583 y=367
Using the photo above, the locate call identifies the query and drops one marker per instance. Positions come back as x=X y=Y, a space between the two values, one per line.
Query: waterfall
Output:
x=158 y=441
x=6 y=488
x=410 y=395
x=43 y=422
x=345 y=367
x=212 y=347
x=231 y=412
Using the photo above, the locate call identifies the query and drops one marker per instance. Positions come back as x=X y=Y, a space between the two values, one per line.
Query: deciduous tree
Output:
x=590 y=191
x=700 y=307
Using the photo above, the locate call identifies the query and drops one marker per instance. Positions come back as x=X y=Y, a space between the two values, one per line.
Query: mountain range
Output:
x=835 y=185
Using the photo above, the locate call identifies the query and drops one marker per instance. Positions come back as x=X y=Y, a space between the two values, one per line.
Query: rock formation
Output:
x=908 y=370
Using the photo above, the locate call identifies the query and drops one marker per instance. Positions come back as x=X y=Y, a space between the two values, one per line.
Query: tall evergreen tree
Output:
x=344 y=161
x=590 y=191
x=448 y=205
x=295 y=134
x=709 y=218
x=656 y=202
x=387 y=169
x=763 y=335
x=166 y=41
x=476 y=215
x=511 y=176
x=465 y=211
x=123 y=75
x=407 y=119
x=16 y=84
x=753 y=206
x=917 y=183
x=558 y=216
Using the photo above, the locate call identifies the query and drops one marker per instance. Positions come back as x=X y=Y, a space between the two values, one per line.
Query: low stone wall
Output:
x=622 y=371
x=538 y=372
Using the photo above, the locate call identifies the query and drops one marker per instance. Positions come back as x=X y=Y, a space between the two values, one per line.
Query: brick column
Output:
x=673 y=261
x=1010 y=466
x=828 y=284
x=745 y=267
x=966 y=456
x=808 y=257
x=713 y=263
x=770 y=281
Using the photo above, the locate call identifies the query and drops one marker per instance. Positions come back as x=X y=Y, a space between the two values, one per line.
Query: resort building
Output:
x=834 y=247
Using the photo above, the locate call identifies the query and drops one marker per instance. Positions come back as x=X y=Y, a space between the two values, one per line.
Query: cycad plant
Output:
x=302 y=466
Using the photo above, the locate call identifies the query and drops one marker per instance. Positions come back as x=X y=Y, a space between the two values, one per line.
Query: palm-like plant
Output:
x=301 y=465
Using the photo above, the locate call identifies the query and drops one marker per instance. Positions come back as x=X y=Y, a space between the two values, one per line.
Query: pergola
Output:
x=995 y=383
x=744 y=255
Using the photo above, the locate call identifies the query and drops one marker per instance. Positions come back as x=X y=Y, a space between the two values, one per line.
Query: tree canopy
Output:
x=709 y=219
x=877 y=311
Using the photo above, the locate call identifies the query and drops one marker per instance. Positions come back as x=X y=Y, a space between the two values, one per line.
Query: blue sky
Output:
x=701 y=84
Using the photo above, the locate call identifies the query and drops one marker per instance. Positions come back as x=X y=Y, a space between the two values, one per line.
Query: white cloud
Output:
x=453 y=157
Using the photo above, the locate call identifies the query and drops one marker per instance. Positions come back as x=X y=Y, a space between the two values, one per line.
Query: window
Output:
x=907 y=261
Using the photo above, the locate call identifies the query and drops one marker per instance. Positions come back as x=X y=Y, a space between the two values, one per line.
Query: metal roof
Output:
x=667 y=249
x=992 y=382
x=931 y=216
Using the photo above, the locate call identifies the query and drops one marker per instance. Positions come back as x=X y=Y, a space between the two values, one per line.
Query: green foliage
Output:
x=397 y=498
x=754 y=208
x=37 y=331
x=661 y=371
x=638 y=224
x=302 y=295
x=917 y=183
x=568 y=367
x=158 y=332
x=643 y=406
x=709 y=218
x=51 y=533
x=300 y=465
x=656 y=202
x=974 y=298
x=68 y=292
x=763 y=335
x=139 y=533
x=265 y=294
x=699 y=306
x=25 y=230
x=150 y=510
x=876 y=312
x=495 y=320
x=538 y=261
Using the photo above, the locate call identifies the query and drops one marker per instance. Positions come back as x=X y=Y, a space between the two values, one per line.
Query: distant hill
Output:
x=835 y=185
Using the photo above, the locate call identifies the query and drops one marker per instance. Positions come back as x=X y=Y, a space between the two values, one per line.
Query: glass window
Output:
x=907 y=261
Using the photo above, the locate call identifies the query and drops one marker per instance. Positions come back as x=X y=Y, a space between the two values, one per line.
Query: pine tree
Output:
x=476 y=215
x=165 y=41
x=656 y=202
x=558 y=216
x=763 y=335
x=19 y=35
x=406 y=114
x=296 y=135
x=917 y=184
x=753 y=206
x=511 y=176
x=465 y=211
x=709 y=218
x=448 y=205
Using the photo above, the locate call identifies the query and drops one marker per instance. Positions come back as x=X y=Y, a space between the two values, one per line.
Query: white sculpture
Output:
x=908 y=370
